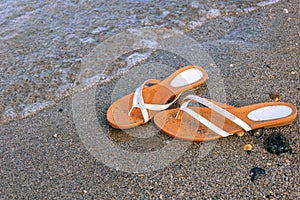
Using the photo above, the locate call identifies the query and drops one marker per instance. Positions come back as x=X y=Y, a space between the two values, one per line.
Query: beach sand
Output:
x=44 y=157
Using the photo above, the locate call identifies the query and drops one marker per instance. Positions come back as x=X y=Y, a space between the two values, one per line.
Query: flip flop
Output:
x=218 y=120
x=139 y=107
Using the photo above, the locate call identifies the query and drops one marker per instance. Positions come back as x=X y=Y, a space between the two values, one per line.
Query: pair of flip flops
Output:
x=194 y=123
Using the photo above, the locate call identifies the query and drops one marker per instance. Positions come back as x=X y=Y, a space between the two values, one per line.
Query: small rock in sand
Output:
x=256 y=172
x=257 y=132
x=275 y=97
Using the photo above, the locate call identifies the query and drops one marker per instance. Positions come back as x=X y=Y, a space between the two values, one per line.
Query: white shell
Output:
x=187 y=77
x=270 y=113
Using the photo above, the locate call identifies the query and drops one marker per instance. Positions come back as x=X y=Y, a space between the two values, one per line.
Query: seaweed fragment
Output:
x=277 y=143
x=256 y=172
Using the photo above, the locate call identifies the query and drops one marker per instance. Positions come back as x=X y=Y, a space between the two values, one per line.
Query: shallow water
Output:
x=42 y=43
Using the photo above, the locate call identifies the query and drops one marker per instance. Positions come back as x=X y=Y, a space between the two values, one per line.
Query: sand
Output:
x=45 y=157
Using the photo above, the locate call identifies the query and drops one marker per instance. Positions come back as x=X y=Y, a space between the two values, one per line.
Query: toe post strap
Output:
x=214 y=107
x=138 y=101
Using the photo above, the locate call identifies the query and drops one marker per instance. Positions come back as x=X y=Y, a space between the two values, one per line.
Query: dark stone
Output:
x=60 y=110
x=277 y=144
x=269 y=66
x=255 y=172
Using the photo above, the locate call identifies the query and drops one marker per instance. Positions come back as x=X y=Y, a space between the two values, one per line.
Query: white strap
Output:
x=214 y=107
x=138 y=102
x=207 y=123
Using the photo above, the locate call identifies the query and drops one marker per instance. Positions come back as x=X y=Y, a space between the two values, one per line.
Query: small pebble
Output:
x=293 y=72
x=240 y=134
x=269 y=66
x=256 y=172
x=60 y=110
x=277 y=144
x=167 y=142
x=103 y=77
x=285 y=10
x=275 y=97
x=83 y=192
x=257 y=133
x=247 y=147
x=55 y=135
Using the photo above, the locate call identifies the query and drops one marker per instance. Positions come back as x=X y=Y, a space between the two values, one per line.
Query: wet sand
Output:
x=43 y=157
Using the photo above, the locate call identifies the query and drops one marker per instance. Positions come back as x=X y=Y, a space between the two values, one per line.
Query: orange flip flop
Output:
x=218 y=120
x=139 y=107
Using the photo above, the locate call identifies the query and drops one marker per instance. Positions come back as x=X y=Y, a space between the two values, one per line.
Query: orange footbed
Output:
x=188 y=128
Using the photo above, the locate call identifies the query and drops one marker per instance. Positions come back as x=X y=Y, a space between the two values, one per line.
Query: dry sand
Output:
x=258 y=55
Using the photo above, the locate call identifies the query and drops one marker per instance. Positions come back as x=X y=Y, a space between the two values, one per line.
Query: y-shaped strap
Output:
x=215 y=108
x=138 y=101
